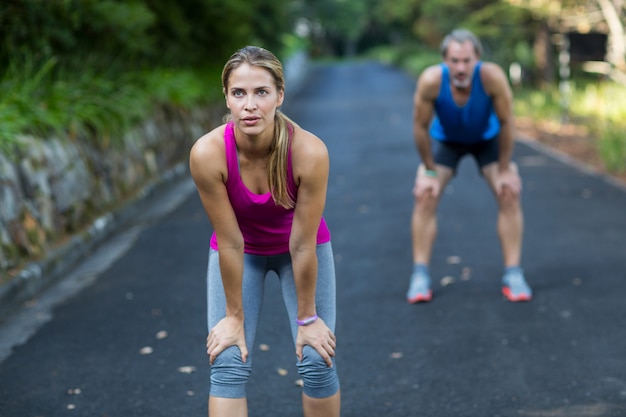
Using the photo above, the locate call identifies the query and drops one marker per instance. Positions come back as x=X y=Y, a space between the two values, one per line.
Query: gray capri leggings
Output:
x=229 y=374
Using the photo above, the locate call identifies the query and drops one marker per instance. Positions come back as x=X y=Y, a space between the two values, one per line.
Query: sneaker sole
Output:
x=509 y=295
x=421 y=298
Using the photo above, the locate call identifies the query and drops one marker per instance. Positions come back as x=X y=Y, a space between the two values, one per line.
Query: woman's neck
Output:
x=256 y=146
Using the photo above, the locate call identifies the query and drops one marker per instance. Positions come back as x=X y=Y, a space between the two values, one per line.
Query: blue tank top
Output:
x=471 y=123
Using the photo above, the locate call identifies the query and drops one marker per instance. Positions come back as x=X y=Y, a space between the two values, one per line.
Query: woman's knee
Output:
x=319 y=379
x=229 y=374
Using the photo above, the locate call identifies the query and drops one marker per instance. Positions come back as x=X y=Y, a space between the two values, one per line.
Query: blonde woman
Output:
x=262 y=180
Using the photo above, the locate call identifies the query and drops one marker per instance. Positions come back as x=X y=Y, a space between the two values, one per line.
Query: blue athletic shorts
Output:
x=449 y=154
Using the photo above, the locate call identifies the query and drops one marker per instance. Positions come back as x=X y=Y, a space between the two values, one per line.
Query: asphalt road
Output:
x=123 y=335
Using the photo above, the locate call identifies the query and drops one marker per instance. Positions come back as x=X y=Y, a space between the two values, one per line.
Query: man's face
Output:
x=461 y=59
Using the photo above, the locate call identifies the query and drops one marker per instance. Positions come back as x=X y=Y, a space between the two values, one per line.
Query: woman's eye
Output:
x=237 y=93
x=262 y=92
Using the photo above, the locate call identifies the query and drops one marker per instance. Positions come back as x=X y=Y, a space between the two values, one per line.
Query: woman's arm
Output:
x=207 y=164
x=311 y=168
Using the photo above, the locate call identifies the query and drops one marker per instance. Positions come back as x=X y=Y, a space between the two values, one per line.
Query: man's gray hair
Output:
x=461 y=36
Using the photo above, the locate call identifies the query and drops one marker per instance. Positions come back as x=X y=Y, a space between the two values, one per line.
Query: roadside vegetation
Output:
x=98 y=107
x=90 y=69
x=599 y=107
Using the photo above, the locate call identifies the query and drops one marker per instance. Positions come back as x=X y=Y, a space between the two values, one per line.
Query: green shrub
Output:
x=612 y=146
x=93 y=104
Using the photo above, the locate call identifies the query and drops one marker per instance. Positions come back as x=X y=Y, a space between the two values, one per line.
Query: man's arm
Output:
x=497 y=86
x=423 y=111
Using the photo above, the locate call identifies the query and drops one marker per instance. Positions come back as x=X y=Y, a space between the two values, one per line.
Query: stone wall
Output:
x=52 y=188
x=61 y=197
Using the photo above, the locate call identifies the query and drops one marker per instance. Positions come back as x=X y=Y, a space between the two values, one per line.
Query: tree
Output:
x=583 y=16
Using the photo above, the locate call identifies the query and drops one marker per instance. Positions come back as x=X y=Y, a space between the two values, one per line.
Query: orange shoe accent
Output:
x=509 y=295
x=421 y=298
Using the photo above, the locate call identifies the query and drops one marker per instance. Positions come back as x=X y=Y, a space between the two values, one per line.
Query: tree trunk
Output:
x=617 y=47
x=544 y=55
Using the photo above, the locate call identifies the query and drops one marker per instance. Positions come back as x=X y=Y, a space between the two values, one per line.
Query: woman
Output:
x=262 y=180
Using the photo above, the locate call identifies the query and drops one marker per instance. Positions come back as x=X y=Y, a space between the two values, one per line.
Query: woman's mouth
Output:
x=250 y=121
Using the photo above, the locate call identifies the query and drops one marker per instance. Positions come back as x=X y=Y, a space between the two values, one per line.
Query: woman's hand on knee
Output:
x=319 y=337
x=227 y=332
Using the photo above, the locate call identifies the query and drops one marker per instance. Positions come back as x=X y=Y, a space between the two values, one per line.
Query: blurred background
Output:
x=100 y=77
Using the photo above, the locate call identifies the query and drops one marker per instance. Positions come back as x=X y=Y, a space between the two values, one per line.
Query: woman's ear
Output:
x=281 y=98
x=225 y=97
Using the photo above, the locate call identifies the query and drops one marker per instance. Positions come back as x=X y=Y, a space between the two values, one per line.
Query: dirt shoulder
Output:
x=570 y=139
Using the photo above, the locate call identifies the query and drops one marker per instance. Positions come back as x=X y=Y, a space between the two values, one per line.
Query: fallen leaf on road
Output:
x=146 y=350
x=466 y=274
x=453 y=260
x=299 y=382
x=447 y=280
x=161 y=335
x=282 y=372
x=187 y=369
x=264 y=347
x=71 y=406
x=74 y=391
x=396 y=355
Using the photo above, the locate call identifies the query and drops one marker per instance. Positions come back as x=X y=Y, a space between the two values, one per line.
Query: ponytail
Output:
x=277 y=166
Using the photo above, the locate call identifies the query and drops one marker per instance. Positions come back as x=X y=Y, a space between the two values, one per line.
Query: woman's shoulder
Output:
x=305 y=142
x=209 y=147
x=212 y=141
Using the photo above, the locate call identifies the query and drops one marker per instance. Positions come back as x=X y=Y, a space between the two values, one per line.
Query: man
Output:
x=464 y=106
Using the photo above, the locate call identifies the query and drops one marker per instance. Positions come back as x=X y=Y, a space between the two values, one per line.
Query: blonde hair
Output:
x=283 y=126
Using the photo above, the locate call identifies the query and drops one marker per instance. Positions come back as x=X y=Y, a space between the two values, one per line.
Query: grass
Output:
x=599 y=105
x=94 y=105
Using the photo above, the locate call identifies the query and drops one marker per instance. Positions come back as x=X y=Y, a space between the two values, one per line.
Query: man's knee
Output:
x=426 y=203
x=229 y=374
x=320 y=380
x=509 y=199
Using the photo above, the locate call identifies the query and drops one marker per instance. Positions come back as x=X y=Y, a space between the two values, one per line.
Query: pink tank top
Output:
x=265 y=226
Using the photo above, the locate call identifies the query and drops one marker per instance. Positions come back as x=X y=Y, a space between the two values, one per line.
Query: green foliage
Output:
x=136 y=33
x=292 y=44
x=94 y=106
x=411 y=57
x=541 y=104
x=601 y=106
x=183 y=88
x=72 y=29
x=612 y=146
x=604 y=103
x=94 y=68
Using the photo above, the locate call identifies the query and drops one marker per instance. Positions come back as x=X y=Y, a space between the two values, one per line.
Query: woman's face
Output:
x=252 y=98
